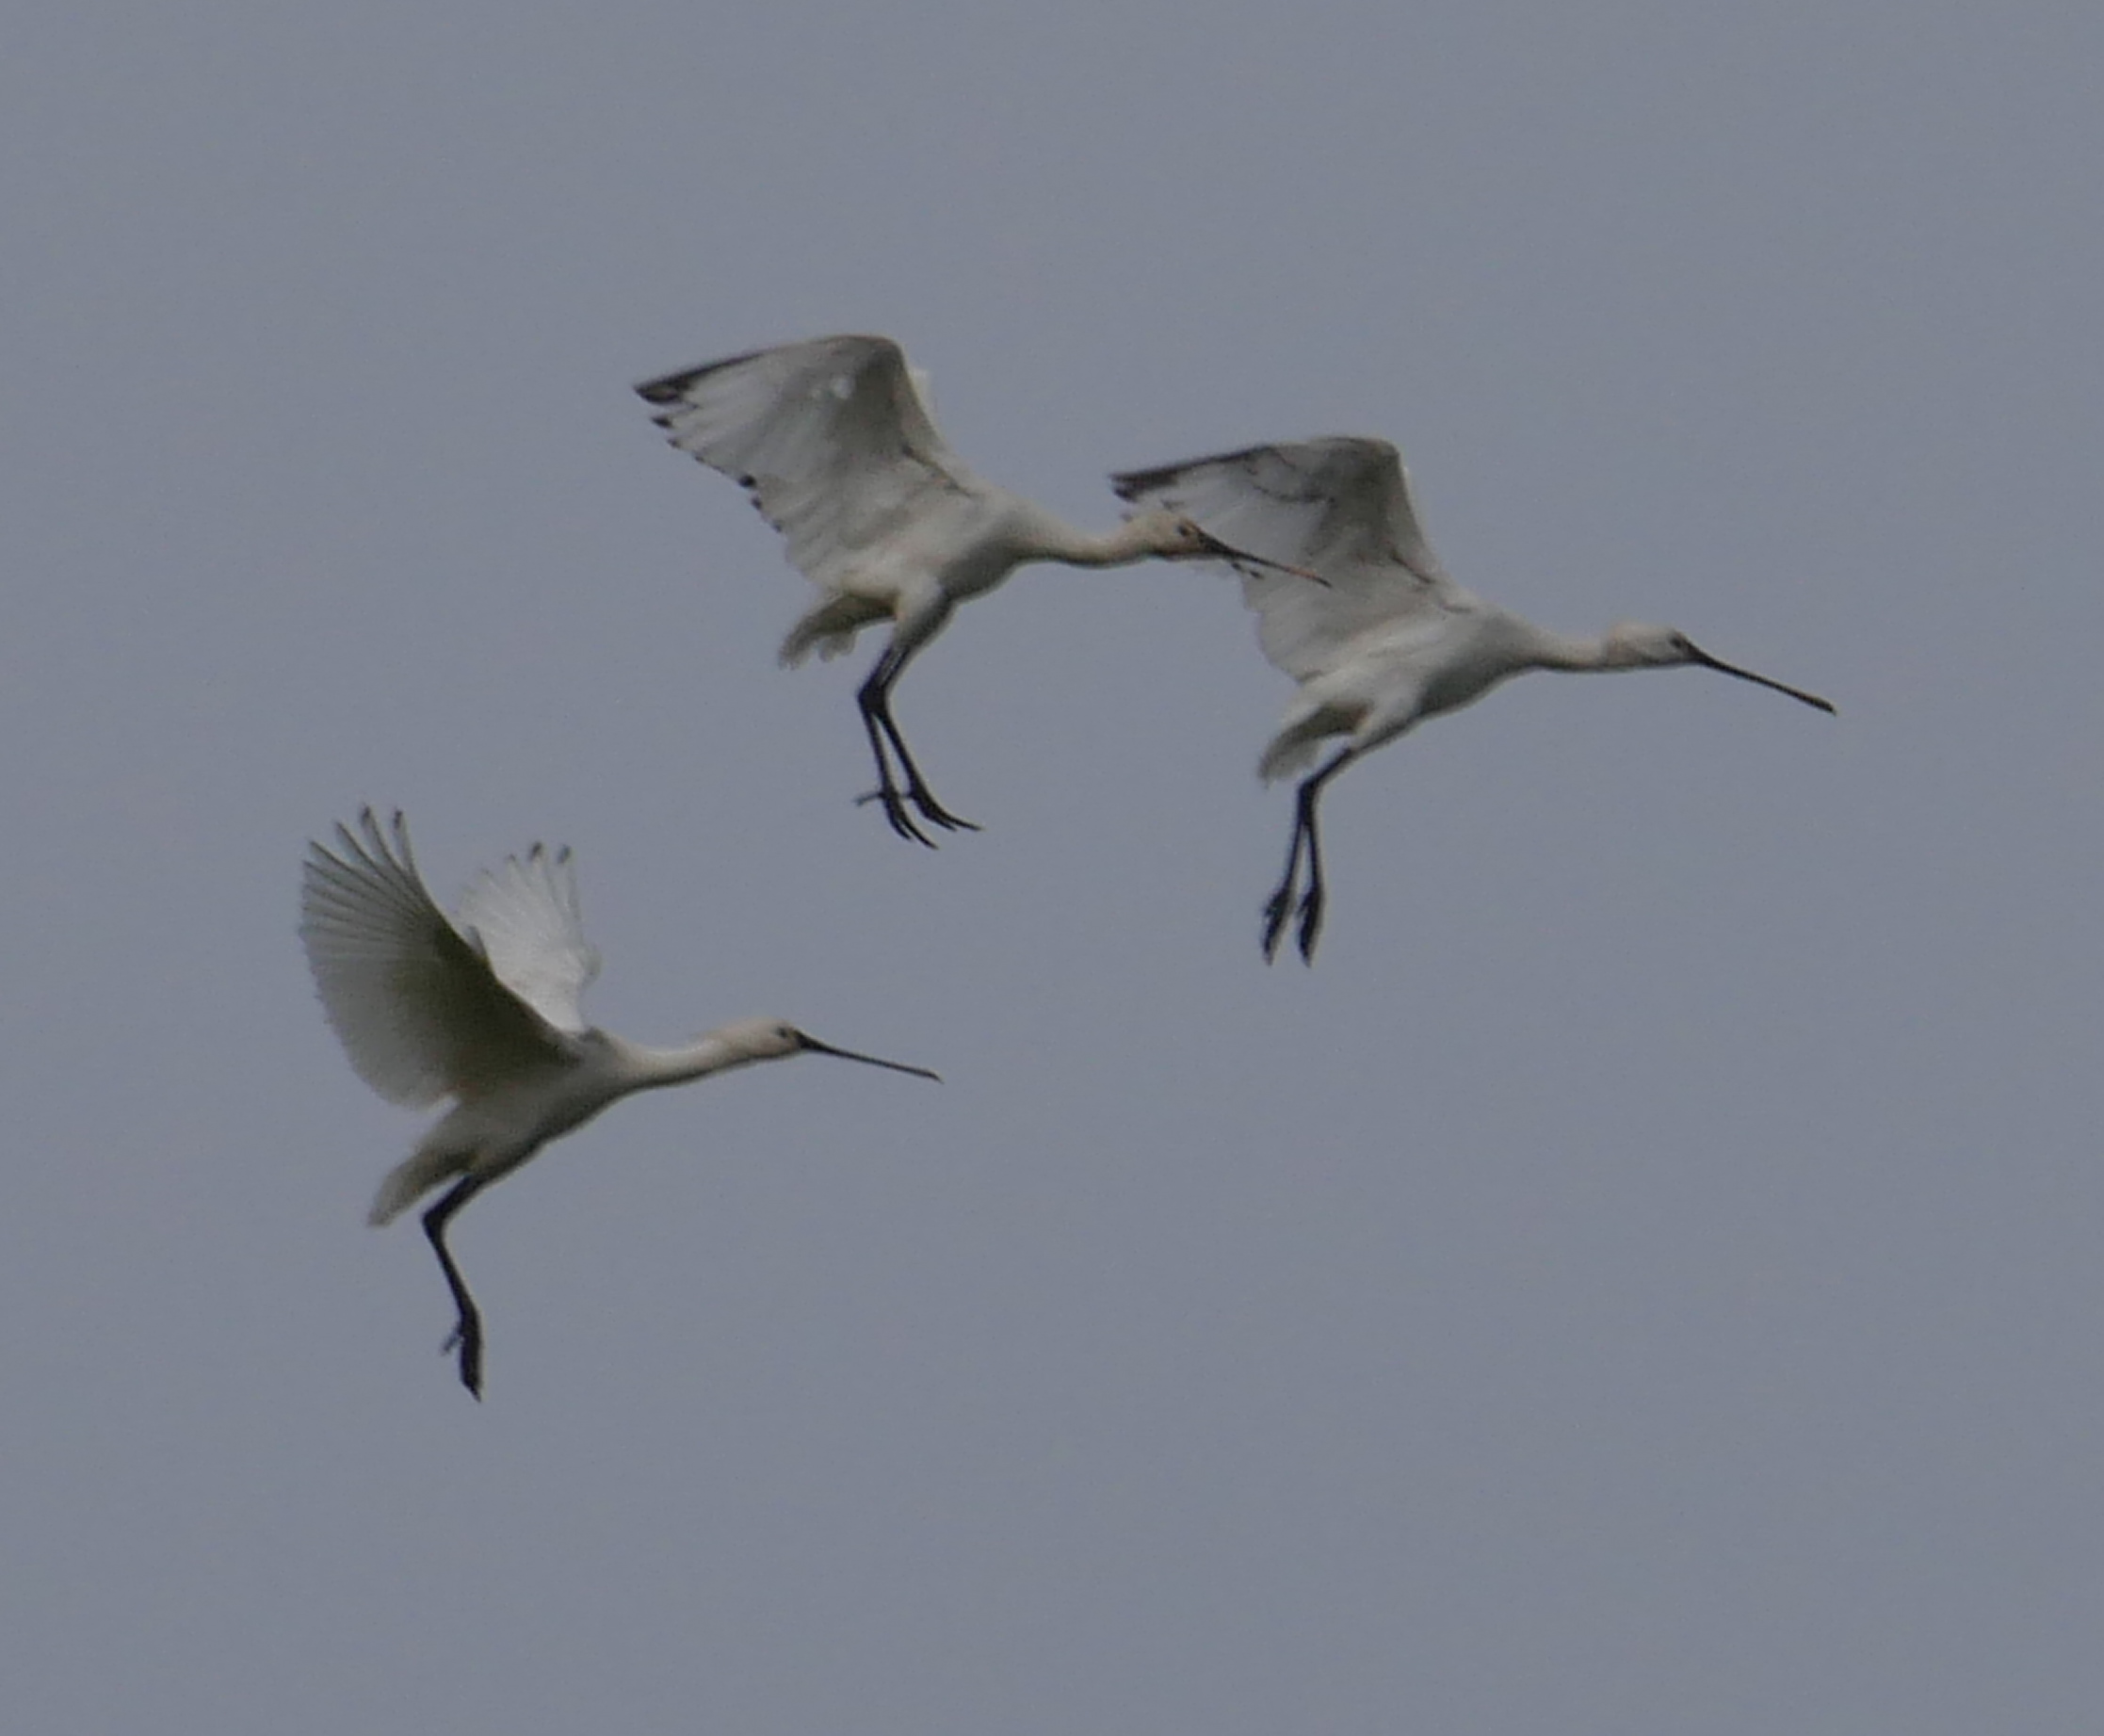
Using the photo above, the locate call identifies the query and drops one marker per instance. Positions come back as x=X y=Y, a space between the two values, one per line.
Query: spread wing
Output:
x=417 y=1006
x=830 y=438
x=1340 y=507
x=527 y=915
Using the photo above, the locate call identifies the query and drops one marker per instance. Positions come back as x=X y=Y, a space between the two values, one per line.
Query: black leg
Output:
x=874 y=698
x=467 y=1333
x=1307 y=833
x=869 y=700
x=918 y=791
x=1281 y=901
x=1316 y=897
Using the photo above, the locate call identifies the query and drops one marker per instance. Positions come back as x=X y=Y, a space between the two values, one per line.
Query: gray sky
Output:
x=1644 y=1281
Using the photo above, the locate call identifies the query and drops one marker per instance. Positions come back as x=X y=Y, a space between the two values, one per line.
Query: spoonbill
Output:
x=484 y=1012
x=834 y=442
x=1389 y=640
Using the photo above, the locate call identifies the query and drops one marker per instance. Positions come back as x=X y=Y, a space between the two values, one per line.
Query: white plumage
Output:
x=832 y=440
x=424 y=1009
x=486 y=1012
x=527 y=916
x=1388 y=638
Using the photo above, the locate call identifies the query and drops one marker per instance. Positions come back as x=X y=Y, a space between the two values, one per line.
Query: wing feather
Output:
x=830 y=438
x=415 y=1002
x=531 y=926
x=1341 y=506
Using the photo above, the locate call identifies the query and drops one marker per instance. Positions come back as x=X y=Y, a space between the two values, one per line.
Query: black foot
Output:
x=1311 y=922
x=895 y=811
x=930 y=810
x=470 y=1346
x=1275 y=909
x=933 y=812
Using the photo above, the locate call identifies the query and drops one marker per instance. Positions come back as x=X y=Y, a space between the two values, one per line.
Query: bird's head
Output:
x=758 y=1038
x=773 y=1039
x=1170 y=535
x=1640 y=645
x=1637 y=644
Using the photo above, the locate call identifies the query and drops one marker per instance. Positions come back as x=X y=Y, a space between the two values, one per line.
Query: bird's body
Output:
x=488 y=1135
x=486 y=1014
x=835 y=444
x=960 y=543
x=1388 y=638
x=1393 y=677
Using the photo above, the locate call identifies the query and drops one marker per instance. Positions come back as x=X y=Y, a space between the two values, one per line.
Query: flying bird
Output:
x=484 y=1012
x=1387 y=640
x=834 y=442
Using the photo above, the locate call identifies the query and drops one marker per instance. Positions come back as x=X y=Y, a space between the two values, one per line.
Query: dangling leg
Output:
x=875 y=700
x=869 y=701
x=1305 y=830
x=467 y=1333
x=1318 y=893
x=1281 y=901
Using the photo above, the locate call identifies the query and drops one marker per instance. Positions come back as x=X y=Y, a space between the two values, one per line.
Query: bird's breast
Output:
x=1452 y=658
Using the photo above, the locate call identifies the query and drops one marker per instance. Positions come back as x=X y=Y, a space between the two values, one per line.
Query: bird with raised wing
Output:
x=484 y=1010
x=834 y=442
x=1387 y=640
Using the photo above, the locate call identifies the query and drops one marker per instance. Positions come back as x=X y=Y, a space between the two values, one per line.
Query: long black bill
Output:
x=1217 y=550
x=847 y=1054
x=1746 y=674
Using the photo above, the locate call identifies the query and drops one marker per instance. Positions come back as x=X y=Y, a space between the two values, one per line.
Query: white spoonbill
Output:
x=484 y=1012
x=1388 y=640
x=834 y=442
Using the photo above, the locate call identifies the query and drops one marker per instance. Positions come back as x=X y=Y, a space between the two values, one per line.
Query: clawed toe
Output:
x=1311 y=923
x=895 y=812
x=925 y=804
x=469 y=1344
x=934 y=812
x=1275 y=911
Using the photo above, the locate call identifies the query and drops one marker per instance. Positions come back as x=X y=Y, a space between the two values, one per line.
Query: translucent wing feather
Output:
x=830 y=438
x=528 y=918
x=1339 y=507
x=418 y=1009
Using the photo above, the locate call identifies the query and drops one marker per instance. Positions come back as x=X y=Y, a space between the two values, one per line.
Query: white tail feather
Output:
x=1307 y=724
x=830 y=630
x=411 y=1179
x=1285 y=756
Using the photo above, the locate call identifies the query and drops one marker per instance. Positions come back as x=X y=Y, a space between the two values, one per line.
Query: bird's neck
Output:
x=1552 y=650
x=647 y=1068
x=1054 y=539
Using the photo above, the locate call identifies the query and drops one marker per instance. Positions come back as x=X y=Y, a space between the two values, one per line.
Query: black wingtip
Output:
x=670 y=388
x=1131 y=485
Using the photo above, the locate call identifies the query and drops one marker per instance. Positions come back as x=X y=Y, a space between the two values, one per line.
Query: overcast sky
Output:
x=1647 y=1279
